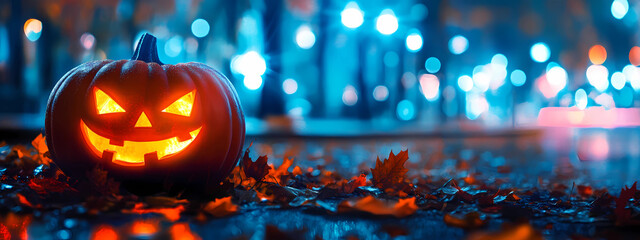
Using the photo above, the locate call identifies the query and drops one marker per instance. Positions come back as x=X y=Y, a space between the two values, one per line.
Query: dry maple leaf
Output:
x=391 y=171
x=256 y=170
x=44 y=186
x=623 y=214
x=104 y=185
x=350 y=186
x=220 y=207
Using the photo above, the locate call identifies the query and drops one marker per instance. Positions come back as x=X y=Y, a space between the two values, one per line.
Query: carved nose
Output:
x=143 y=121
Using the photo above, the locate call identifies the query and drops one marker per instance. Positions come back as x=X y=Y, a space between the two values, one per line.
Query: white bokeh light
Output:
x=249 y=63
x=618 y=80
x=380 y=93
x=414 y=41
x=465 y=83
x=289 y=86
x=581 y=99
x=458 y=44
x=598 y=77
x=352 y=16
x=252 y=82
x=387 y=23
x=349 y=96
x=540 y=52
x=619 y=8
x=305 y=37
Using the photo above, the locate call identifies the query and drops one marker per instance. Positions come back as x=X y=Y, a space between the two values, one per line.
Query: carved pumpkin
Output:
x=145 y=121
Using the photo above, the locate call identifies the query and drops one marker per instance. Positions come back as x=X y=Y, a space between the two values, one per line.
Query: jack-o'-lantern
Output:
x=144 y=121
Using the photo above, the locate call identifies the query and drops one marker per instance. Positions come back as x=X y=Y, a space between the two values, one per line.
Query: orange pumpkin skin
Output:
x=146 y=88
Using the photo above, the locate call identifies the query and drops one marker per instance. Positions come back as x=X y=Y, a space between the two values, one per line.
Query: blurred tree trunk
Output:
x=272 y=99
x=16 y=56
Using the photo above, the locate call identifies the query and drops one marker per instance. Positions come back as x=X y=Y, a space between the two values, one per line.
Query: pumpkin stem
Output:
x=147 y=49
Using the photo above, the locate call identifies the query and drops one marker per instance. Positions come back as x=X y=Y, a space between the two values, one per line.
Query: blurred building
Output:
x=416 y=62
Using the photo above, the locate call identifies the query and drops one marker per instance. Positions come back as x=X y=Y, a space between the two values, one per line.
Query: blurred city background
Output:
x=385 y=65
x=550 y=88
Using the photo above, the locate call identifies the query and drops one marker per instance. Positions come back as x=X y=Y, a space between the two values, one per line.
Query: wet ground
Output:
x=522 y=159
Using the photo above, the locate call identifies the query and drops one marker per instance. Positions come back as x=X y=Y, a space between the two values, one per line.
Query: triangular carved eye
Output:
x=183 y=105
x=106 y=104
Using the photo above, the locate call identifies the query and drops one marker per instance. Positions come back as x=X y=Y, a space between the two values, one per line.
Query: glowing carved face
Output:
x=134 y=153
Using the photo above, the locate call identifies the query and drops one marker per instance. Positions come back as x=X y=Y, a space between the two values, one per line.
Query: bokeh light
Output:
x=349 y=96
x=540 y=52
x=173 y=46
x=632 y=73
x=597 y=54
x=476 y=105
x=619 y=8
x=432 y=65
x=458 y=44
x=430 y=85
x=33 y=29
x=481 y=81
x=618 y=80
x=391 y=59
x=305 y=38
x=405 y=110
x=289 y=86
x=500 y=59
x=581 y=99
x=200 y=27
x=634 y=56
x=352 y=16
x=387 y=23
x=414 y=41
x=104 y=232
x=191 y=45
x=465 y=83
x=298 y=107
x=252 y=82
x=249 y=63
x=87 y=40
x=598 y=77
x=518 y=78
x=380 y=93
x=557 y=77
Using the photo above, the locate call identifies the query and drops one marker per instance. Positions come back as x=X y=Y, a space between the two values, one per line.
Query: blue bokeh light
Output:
x=405 y=110
x=200 y=27
x=619 y=8
x=518 y=78
x=432 y=65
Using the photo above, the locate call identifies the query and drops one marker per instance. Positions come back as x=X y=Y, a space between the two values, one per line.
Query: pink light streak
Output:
x=593 y=117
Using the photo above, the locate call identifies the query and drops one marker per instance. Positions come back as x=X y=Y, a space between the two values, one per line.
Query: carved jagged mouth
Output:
x=134 y=153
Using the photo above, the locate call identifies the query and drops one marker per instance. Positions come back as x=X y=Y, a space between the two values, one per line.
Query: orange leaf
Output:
x=391 y=171
x=349 y=187
x=172 y=214
x=370 y=204
x=469 y=221
x=221 y=207
x=182 y=231
x=40 y=144
x=256 y=170
x=517 y=232
x=23 y=200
